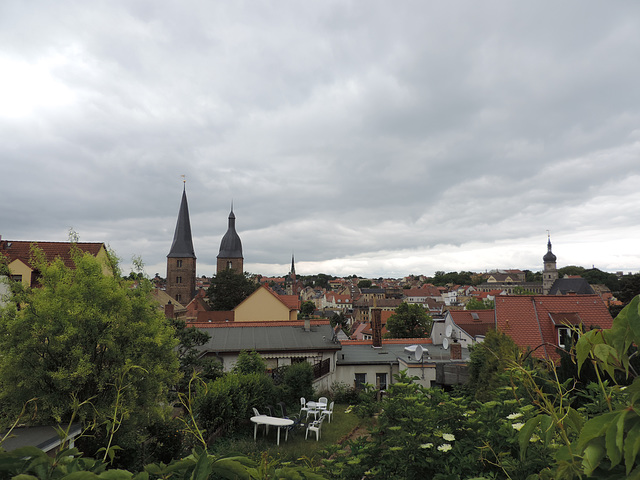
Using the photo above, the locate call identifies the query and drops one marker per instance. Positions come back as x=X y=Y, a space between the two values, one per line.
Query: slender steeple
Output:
x=182 y=245
x=181 y=260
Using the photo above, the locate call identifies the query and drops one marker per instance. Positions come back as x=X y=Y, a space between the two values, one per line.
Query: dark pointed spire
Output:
x=293 y=266
x=182 y=245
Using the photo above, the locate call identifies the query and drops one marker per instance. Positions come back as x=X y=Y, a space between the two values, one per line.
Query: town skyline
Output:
x=369 y=139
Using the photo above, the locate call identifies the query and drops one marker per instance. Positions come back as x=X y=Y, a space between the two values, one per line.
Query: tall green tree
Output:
x=191 y=359
x=489 y=362
x=85 y=335
x=477 y=304
x=410 y=320
x=307 y=308
x=228 y=288
x=340 y=319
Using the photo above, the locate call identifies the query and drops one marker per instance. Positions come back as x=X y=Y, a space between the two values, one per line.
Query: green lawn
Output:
x=342 y=424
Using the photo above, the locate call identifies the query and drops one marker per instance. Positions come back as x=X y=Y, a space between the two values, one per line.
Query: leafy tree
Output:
x=454 y=278
x=191 y=359
x=522 y=291
x=409 y=321
x=307 y=308
x=530 y=276
x=488 y=363
x=228 y=288
x=364 y=283
x=592 y=275
x=629 y=287
x=249 y=362
x=477 y=304
x=298 y=382
x=340 y=319
x=87 y=336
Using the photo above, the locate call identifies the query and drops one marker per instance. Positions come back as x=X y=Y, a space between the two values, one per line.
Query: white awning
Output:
x=290 y=355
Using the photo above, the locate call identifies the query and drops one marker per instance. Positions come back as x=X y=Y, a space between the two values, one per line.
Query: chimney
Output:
x=376 y=327
x=307 y=323
x=456 y=351
x=168 y=310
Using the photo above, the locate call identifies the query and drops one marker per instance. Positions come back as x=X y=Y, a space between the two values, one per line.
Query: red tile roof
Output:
x=474 y=322
x=21 y=250
x=529 y=319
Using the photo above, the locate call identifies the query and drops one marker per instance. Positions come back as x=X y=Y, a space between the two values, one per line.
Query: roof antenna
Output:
x=184 y=181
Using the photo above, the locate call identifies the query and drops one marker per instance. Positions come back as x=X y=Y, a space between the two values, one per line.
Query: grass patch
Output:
x=342 y=424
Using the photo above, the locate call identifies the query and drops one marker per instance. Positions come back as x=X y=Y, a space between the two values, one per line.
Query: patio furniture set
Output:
x=320 y=411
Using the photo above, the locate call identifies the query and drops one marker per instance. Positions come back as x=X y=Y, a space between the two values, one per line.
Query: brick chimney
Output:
x=168 y=309
x=456 y=351
x=376 y=327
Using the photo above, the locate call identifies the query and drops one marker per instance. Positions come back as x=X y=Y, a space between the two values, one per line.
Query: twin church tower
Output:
x=181 y=260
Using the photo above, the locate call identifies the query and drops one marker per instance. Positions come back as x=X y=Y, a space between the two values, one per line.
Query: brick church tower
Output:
x=181 y=260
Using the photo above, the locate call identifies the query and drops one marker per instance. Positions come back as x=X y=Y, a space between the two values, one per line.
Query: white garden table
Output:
x=271 y=421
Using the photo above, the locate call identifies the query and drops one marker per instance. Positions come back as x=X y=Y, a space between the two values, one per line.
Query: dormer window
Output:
x=566 y=337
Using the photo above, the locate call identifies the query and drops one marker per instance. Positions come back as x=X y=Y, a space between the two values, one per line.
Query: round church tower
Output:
x=230 y=255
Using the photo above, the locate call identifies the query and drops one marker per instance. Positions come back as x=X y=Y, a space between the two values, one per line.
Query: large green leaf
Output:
x=632 y=314
x=231 y=469
x=526 y=432
x=202 y=468
x=613 y=439
x=632 y=445
x=595 y=427
x=593 y=455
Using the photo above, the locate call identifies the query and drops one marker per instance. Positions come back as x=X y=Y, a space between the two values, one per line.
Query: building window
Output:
x=178 y=263
x=229 y=265
x=16 y=278
x=178 y=298
x=361 y=379
x=178 y=279
x=564 y=338
x=381 y=381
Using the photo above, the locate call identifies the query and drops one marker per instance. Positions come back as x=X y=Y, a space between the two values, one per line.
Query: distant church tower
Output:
x=181 y=261
x=550 y=272
x=291 y=281
x=230 y=255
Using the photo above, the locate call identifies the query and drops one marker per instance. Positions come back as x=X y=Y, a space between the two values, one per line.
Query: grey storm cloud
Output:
x=364 y=137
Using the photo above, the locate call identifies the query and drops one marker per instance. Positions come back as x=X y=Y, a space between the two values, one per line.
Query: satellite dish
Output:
x=445 y=343
x=418 y=353
x=448 y=330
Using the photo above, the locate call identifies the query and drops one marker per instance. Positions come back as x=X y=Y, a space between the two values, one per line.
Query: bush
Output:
x=341 y=392
x=226 y=403
x=298 y=382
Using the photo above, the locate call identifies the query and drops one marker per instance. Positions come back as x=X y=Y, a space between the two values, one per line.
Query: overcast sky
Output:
x=364 y=137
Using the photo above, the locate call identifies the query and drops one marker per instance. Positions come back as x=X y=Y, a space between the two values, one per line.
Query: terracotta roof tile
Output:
x=21 y=250
x=528 y=318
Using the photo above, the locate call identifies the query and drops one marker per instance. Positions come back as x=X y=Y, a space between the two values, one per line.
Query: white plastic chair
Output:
x=324 y=400
x=316 y=427
x=266 y=427
x=303 y=407
x=328 y=412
